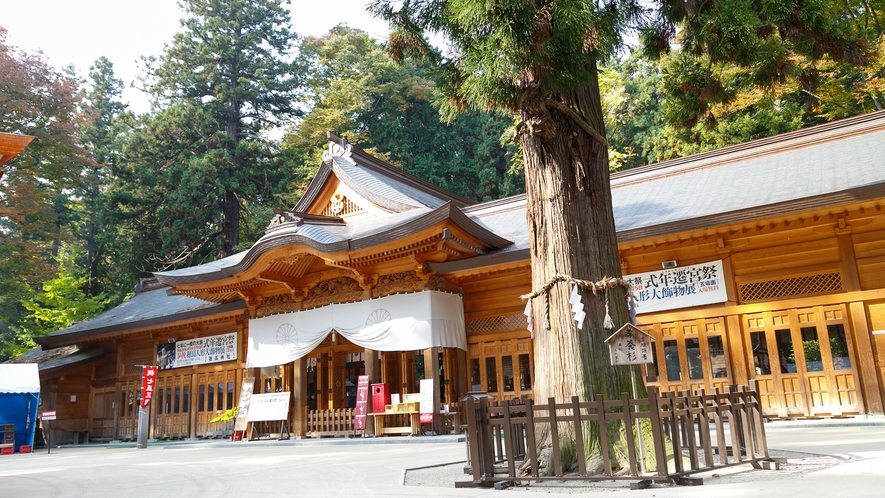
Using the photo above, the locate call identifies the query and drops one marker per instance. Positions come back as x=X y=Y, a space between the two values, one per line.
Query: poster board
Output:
x=243 y=406
x=426 y=408
x=268 y=407
x=199 y=351
x=362 y=403
x=680 y=287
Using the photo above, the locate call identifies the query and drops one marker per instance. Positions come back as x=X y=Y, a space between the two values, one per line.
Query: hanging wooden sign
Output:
x=630 y=346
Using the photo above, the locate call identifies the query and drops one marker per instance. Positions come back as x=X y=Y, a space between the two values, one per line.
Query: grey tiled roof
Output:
x=59 y=357
x=644 y=199
x=381 y=189
x=505 y=217
x=142 y=309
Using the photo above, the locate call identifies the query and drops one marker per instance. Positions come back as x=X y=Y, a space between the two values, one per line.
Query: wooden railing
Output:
x=689 y=433
x=322 y=423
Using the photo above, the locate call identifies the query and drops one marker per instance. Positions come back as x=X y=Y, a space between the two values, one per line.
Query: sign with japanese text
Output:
x=362 y=403
x=148 y=381
x=630 y=346
x=426 y=408
x=199 y=351
x=243 y=406
x=268 y=407
x=50 y=415
x=681 y=287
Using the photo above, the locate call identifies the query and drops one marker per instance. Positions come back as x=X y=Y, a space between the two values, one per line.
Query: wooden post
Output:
x=299 y=396
x=431 y=371
x=865 y=359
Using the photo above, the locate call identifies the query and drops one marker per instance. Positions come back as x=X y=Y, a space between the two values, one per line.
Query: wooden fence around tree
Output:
x=689 y=433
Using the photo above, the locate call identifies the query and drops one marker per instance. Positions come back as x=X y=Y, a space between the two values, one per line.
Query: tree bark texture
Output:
x=572 y=232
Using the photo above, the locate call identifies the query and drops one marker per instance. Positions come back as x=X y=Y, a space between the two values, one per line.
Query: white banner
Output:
x=268 y=407
x=199 y=351
x=402 y=322
x=682 y=287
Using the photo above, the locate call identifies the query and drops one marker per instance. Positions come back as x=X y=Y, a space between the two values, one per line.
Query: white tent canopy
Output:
x=400 y=322
x=19 y=378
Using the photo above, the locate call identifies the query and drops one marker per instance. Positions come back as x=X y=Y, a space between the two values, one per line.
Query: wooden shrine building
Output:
x=764 y=260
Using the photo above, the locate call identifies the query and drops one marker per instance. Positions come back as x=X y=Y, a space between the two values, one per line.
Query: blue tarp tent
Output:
x=19 y=397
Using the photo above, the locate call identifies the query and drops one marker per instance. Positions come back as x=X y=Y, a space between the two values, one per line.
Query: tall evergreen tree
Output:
x=108 y=122
x=231 y=64
x=538 y=59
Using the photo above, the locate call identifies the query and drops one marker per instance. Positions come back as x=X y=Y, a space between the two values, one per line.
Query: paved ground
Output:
x=827 y=458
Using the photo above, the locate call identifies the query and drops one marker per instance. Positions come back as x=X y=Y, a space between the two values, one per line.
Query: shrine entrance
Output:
x=689 y=355
x=804 y=362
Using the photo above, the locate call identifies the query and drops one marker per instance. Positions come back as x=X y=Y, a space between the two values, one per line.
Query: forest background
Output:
x=103 y=197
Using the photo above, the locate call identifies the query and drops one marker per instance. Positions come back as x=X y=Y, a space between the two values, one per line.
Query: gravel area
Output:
x=797 y=464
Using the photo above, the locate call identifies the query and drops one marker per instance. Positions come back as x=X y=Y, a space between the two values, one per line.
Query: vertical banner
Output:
x=148 y=380
x=426 y=409
x=362 y=402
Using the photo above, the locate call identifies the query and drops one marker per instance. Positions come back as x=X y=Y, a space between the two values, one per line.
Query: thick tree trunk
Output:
x=572 y=232
x=230 y=224
x=230 y=204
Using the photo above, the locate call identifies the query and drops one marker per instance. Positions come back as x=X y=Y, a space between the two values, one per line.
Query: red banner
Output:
x=148 y=379
x=362 y=399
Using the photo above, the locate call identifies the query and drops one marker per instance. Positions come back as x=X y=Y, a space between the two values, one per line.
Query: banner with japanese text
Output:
x=682 y=287
x=199 y=351
x=362 y=402
x=148 y=381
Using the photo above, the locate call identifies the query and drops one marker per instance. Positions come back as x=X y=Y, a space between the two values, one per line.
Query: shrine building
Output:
x=764 y=260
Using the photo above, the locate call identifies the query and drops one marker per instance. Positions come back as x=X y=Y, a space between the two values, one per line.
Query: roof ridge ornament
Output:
x=342 y=150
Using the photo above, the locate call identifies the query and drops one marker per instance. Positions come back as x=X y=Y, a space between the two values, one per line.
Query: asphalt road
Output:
x=310 y=468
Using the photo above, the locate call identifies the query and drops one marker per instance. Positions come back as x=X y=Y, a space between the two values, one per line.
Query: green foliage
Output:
x=357 y=91
x=500 y=49
x=37 y=100
x=107 y=123
x=60 y=303
x=736 y=55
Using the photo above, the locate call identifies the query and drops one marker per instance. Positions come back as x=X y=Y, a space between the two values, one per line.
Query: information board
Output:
x=268 y=407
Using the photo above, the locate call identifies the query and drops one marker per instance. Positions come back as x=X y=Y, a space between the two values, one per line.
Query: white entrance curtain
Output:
x=402 y=322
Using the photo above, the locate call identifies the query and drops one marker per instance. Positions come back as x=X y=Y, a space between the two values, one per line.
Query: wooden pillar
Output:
x=323 y=382
x=374 y=374
x=407 y=374
x=431 y=371
x=194 y=399
x=849 y=259
x=866 y=360
x=337 y=389
x=736 y=353
x=458 y=377
x=298 y=405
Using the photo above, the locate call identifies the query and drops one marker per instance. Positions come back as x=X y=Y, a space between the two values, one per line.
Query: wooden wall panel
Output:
x=495 y=295
x=107 y=368
x=869 y=248
x=752 y=262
